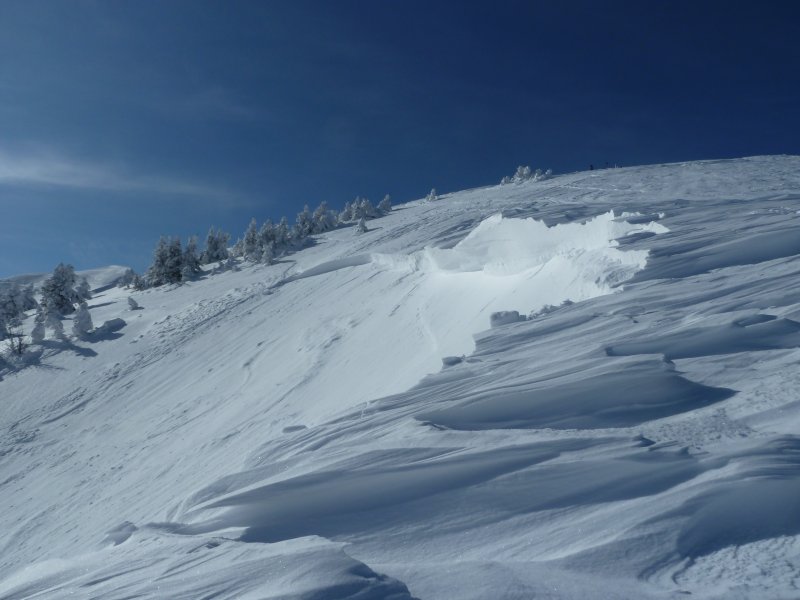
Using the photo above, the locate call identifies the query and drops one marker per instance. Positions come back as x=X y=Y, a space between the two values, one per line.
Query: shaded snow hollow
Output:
x=289 y=431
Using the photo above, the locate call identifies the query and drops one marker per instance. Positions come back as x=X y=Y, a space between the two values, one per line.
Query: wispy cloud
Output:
x=44 y=167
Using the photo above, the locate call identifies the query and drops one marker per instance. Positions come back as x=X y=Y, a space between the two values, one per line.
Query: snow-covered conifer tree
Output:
x=304 y=224
x=282 y=234
x=58 y=290
x=268 y=253
x=366 y=210
x=139 y=283
x=14 y=301
x=82 y=321
x=266 y=237
x=237 y=251
x=346 y=213
x=385 y=205
x=216 y=246
x=362 y=226
x=156 y=273
x=127 y=278
x=167 y=266
x=250 y=246
x=191 y=261
x=432 y=195
x=324 y=218
x=83 y=289
x=132 y=304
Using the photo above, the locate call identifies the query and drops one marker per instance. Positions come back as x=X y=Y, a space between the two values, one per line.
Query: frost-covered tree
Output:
x=191 y=260
x=47 y=316
x=346 y=213
x=82 y=322
x=362 y=226
x=37 y=333
x=237 y=251
x=266 y=234
x=324 y=218
x=525 y=173
x=132 y=304
x=127 y=278
x=432 y=195
x=385 y=205
x=58 y=290
x=303 y=224
x=83 y=289
x=268 y=253
x=250 y=247
x=282 y=234
x=216 y=247
x=139 y=283
x=366 y=210
x=167 y=266
x=14 y=301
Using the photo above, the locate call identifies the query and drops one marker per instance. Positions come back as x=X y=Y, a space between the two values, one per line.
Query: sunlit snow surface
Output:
x=289 y=431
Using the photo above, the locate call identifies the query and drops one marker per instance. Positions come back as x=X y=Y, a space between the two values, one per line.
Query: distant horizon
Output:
x=145 y=261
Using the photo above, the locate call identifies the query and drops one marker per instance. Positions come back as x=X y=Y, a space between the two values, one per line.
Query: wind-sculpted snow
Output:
x=764 y=332
x=627 y=394
x=353 y=421
x=150 y=564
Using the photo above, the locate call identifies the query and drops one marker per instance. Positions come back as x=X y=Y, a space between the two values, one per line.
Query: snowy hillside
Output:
x=347 y=423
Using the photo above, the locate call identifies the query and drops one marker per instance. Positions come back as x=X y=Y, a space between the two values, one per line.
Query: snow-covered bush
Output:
x=47 y=317
x=37 y=333
x=82 y=322
x=362 y=226
x=431 y=195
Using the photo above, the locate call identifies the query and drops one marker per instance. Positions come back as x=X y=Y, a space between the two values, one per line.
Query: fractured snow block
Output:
x=112 y=325
x=504 y=317
x=449 y=361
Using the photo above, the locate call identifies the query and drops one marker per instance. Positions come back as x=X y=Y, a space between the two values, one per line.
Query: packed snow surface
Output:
x=583 y=387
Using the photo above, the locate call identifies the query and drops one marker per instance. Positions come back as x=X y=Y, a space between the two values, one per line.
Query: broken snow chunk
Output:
x=504 y=317
x=111 y=326
x=449 y=361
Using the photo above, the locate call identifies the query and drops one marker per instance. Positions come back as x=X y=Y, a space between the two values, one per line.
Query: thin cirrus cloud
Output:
x=46 y=168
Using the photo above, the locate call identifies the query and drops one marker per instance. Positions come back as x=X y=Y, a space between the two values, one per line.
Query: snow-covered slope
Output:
x=292 y=431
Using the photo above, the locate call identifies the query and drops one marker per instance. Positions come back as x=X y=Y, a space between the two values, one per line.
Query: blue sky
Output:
x=121 y=121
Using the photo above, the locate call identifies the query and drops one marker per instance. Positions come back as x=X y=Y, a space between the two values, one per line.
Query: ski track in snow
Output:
x=291 y=431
